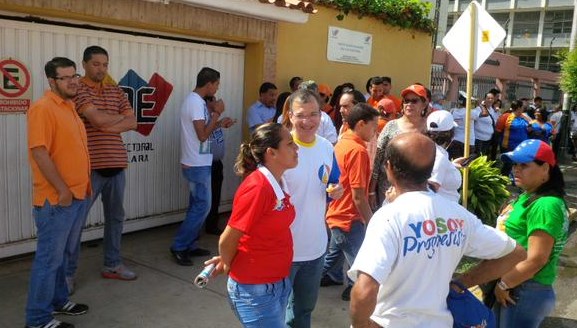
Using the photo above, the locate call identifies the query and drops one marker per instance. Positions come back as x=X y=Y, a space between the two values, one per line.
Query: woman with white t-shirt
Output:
x=457 y=147
x=485 y=125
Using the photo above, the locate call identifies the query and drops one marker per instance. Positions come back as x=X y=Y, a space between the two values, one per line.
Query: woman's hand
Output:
x=220 y=266
x=503 y=297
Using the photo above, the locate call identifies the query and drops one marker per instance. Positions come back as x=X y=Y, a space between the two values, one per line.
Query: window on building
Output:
x=451 y=19
x=451 y=5
x=549 y=63
x=526 y=58
x=528 y=3
x=558 y=22
x=525 y=28
x=463 y=4
x=498 y=4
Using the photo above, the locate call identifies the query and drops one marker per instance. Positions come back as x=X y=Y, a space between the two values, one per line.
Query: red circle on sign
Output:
x=21 y=88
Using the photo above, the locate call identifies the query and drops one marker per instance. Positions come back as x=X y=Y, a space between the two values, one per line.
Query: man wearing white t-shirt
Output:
x=197 y=124
x=413 y=245
x=314 y=178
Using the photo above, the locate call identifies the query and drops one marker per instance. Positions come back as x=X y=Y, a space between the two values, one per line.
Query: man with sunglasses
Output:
x=61 y=189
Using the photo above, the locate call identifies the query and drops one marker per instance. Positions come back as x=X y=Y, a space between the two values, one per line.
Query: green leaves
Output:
x=569 y=73
x=487 y=189
x=406 y=14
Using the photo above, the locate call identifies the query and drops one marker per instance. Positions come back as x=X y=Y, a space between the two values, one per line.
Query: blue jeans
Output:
x=305 y=278
x=47 y=290
x=112 y=191
x=259 y=305
x=347 y=243
x=198 y=207
x=534 y=302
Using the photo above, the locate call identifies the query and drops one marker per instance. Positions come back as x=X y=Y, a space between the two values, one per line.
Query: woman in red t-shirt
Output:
x=256 y=246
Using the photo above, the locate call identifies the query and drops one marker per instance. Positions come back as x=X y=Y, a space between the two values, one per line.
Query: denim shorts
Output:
x=259 y=305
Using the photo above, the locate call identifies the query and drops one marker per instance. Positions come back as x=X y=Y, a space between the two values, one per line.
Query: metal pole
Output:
x=549 y=57
x=566 y=117
x=470 y=71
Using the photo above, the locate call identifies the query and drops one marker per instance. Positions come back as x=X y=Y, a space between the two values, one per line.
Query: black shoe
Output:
x=213 y=231
x=181 y=257
x=327 y=281
x=71 y=308
x=54 y=324
x=346 y=295
x=199 y=252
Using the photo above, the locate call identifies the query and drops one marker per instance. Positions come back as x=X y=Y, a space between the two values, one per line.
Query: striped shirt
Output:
x=106 y=149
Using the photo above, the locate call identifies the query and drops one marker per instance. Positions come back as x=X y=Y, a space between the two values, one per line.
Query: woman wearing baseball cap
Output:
x=538 y=221
x=415 y=109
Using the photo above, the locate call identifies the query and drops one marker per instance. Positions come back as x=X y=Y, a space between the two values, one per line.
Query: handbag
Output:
x=467 y=310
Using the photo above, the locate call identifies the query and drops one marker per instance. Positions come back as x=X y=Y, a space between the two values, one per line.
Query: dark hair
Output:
x=537 y=99
x=387 y=79
x=293 y=81
x=205 y=76
x=265 y=87
x=516 y=104
x=554 y=186
x=280 y=100
x=93 y=50
x=361 y=112
x=57 y=62
x=494 y=91
x=334 y=103
x=358 y=97
x=544 y=114
x=377 y=80
x=404 y=169
x=252 y=152
x=368 y=85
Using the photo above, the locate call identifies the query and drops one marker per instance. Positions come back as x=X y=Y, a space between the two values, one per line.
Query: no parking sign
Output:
x=15 y=90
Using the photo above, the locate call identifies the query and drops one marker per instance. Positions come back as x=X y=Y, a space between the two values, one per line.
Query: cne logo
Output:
x=147 y=98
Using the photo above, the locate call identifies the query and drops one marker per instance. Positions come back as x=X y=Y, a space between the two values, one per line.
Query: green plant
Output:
x=487 y=189
x=406 y=14
x=569 y=73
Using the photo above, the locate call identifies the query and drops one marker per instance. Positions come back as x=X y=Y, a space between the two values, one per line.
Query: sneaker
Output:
x=71 y=308
x=54 y=324
x=199 y=252
x=70 y=283
x=346 y=295
x=328 y=281
x=120 y=272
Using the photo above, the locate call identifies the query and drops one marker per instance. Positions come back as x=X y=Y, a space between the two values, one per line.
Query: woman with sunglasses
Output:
x=256 y=247
x=538 y=221
x=415 y=109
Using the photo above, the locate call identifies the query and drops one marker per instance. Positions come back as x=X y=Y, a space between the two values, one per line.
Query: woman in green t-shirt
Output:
x=538 y=221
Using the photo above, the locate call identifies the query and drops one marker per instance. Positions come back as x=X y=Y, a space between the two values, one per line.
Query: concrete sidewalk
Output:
x=162 y=296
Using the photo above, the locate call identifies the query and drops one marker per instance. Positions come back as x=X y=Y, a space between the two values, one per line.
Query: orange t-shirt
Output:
x=54 y=124
x=354 y=164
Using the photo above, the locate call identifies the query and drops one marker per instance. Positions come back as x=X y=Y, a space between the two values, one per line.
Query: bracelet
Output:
x=503 y=286
x=372 y=193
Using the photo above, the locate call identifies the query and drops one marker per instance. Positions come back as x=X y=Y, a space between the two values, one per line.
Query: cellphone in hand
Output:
x=468 y=160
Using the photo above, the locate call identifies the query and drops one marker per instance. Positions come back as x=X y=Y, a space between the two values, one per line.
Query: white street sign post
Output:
x=471 y=41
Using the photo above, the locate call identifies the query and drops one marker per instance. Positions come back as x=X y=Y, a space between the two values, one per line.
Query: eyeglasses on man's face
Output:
x=313 y=115
x=67 y=78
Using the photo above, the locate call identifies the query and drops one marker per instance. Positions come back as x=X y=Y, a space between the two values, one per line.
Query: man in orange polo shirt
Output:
x=381 y=89
x=348 y=216
x=61 y=188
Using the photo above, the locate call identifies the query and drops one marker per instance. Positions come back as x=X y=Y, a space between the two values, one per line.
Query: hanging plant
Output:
x=406 y=14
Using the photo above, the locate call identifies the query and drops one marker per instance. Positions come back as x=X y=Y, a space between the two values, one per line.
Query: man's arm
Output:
x=101 y=119
x=492 y=269
x=362 y=204
x=50 y=172
x=127 y=123
x=363 y=301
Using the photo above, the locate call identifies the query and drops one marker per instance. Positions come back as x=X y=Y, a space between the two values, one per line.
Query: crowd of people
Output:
x=331 y=180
